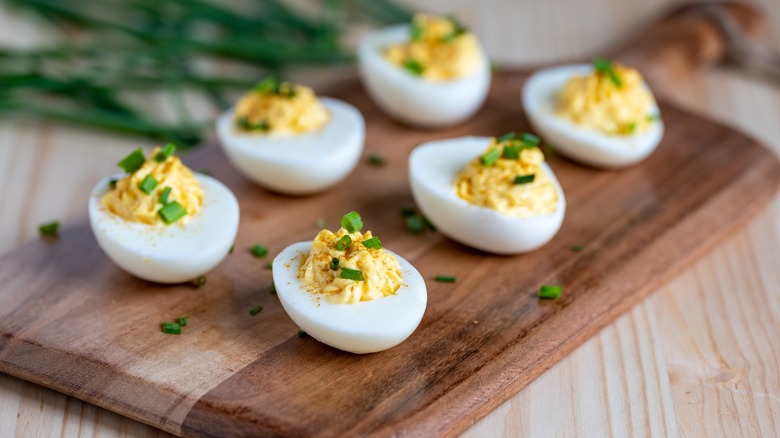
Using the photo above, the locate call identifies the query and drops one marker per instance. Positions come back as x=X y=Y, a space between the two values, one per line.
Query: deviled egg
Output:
x=159 y=221
x=602 y=115
x=286 y=139
x=347 y=291
x=493 y=194
x=430 y=73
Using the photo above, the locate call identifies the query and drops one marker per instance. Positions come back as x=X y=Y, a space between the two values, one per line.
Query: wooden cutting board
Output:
x=72 y=321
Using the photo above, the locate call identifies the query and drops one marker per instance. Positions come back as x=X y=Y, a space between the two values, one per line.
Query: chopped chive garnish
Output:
x=182 y=321
x=232 y=247
x=171 y=212
x=408 y=211
x=507 y=136
x=112 y=183
x=148 y=184
x=272 y=289
x=343 y=243
x=165 y=153
x=376 y=160
x=334 y=264
x=373 y=243
x=246 y=125
x=529 y=139
x=351 y=274
x=164 y=196
x=170 y=328
x=490 y=157
x=49 y=229
x=320 y=223
x=550 y=292
x=631 y=128
x=415 y=224
x=413 y=66
x=270 y=265
x=429 y=224
x=445 y=279
x=458 y=30
x=255 y=310
x=512 y=151
x=259 y=251
x=200 y=281
x=417 y=32
x=269 y=85
x=302 y=334
x=576 y=248
x=352 y=222
x=606 y=67
x=132 y=162
x=525 y=179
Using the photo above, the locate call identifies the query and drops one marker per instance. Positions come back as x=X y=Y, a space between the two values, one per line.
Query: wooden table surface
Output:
x=701 y=356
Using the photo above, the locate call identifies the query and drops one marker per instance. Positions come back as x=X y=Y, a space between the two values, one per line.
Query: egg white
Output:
x=297 y=164
x=585 y=145
x=433 y=167
x=172 y=253
x=414 y=100
x=363 y=327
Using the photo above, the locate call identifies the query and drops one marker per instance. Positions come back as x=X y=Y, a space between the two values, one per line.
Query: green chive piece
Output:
x=445 y=279
x=490 y=157
x=408 y=211
x=200 y=281
x=182 y=321
x=270 y=265
x=165 y=153
x=259 y=251
x=351 y=274
x=272 y=289
x=606 y=67
x=269 y=85
x=525 y=179
x=376 y=161
x=414 y=67
x=246 y=125
x=164 y=196
x=631 y=128
x=255 y=310
x=112 y=183
x=458 y=30
x=429 y=224
x=132 y=162
x=417 y=32
x=170 y=328
x=343 y=243
x=172 y=212
x=49 y=229
x=415 y=224
x=373 y=243
x=148 y=184
x=232 y=247
x=334 y=264
x=550 y=292
x=507 y=136
x=352 y=222
x=512 y=151
x=302 y=334
x=576 y=248
x=529 y=139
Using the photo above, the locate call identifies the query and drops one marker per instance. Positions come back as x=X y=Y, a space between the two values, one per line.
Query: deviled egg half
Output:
x=493 y=194
x=602 y=115
x=286 y=139
x=430 y=73
x=347 y=291
x=159 y=221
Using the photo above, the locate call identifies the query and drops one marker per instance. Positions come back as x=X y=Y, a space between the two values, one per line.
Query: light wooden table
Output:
x=701 y=356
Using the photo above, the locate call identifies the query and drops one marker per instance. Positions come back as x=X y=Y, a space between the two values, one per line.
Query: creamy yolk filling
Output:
x=276 y=107
x=506 y=184
x=611 y=100
x=128 y=201
x=380 y=269
x=439 y=49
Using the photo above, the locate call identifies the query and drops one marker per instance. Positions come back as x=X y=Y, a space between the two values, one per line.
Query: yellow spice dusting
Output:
x=597 y=102
x=493 y=186
x=129 y=202
x=439 y=49
x=381 y=271
x=280 y=109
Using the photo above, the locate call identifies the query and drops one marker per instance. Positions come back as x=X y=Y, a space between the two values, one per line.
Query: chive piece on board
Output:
x=182 y=321
x=550 y=292
x=133 y=161
x=302 y=334
x=445 y=279
x=415 y=224
x=49 y=229
x=576 y=248
x=170 y=328
x=376 y=160
x=255 y=310
x=259 y=251
x=165 y=153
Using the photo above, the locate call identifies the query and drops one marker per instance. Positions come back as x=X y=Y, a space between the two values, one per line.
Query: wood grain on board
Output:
x=73 y=321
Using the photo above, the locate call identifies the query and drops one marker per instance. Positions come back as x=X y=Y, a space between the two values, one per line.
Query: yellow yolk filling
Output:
x=280 y=108
x=598 y=103
x=439 y=49
x=131 y=203
x=381 y=271
x=493 y=186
